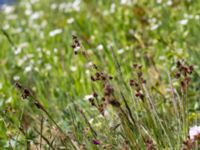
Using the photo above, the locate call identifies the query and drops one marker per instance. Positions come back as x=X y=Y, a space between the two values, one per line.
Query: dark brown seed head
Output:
x=178 y=64
x=18 y=86
x=108 y=90
x=135 y=66
x=139 y=74
x=178 y=75
x=95 y=66
x=114 y=103
x=110 y=77
x=26 y=93
x=95 y=94
x=92 y=78
x=74 y=37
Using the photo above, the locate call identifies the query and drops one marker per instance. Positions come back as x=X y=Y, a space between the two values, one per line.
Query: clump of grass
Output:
x=156 y=128
x=142 y=122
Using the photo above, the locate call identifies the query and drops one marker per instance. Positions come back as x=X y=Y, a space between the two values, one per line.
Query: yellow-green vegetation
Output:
x=100 y=74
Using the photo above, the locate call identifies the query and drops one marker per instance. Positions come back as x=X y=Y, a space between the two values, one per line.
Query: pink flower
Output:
x=194 y=131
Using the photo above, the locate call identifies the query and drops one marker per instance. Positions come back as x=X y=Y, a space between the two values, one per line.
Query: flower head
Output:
x=194 y=131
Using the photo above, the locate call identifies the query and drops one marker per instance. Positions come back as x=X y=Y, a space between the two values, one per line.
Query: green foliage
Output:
x=35 y=50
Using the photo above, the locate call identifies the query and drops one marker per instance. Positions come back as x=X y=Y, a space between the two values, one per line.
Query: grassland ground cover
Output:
x=100 y=74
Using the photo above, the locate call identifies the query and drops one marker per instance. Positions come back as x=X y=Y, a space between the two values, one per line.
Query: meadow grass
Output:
x=89 y=74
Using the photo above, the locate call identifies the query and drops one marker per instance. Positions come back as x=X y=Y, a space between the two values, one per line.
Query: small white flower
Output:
x=55 y=50
x=8 y=9
x=87 y=97
x=159 y=1
x=53 y=6
x=194 y=131
x=55 y=32
x=9 y=100
x=34 y=1
x=125 y=2
x=169 y=3
x=183 y=22
x=70 y=20
x=36 y=15
x=100 y=47
x=76 y=49
x=112 y=8
x=16 y=78
x=48 y=67
x=73 y=68
x=162 y=57
x=196 y=17
x=28 y=69
x=154 y=27
x=120 y=51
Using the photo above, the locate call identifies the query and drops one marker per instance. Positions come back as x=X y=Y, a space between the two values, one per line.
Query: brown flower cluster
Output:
x=26 y=93
x=189 y=143
x=136 y=83
x=149 y=144
x=182 y=73
x=108 y=91
x=76 y=45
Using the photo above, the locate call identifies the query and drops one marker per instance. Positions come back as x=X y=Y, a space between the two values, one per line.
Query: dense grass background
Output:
x=153 y=33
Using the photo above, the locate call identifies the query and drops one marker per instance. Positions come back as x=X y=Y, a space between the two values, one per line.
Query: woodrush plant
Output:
x=155 y=128
x=143 y=124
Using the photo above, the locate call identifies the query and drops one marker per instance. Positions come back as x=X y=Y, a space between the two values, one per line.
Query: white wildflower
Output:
x=87 y=72
x=169 y=3
x=173 y=68
x=34 y=1
x=16 y=78
x=87 y=97
x=112 y=8
x=8 y=9
x=28 y=11
x=159 y=1
x=55 y=50
x=70 y=20
x=76 y=49
x=28 y=69
x=36 y=15
x=9 y=100
x=183 y=22
x=48 y=53
x=100 y=47
x=76 y=5
x=120 y=51
x=54 y=6
x=6 y=26
x=48 y=66
x=194 y=131
x=55 y=32
x=73 y=68
x=105 y=13
x=196 y=17
x=125 y=2
x=91 y=121
x=162 y=57
x=154 y=27
x=89 y=64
